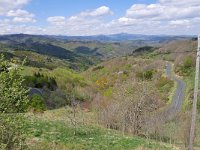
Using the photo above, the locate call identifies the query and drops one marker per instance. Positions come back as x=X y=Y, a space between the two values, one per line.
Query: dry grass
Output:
x=63 y=114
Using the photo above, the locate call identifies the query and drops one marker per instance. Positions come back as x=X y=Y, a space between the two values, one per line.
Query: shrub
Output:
x=102 y=83
x=13 y=100
x=108 y=92
x=11 y=134
x=97 y=68
x=37 y=103
x=13 y=94
x=188 y=62
x=145 y=75
x=186 y=66
x=56 y=99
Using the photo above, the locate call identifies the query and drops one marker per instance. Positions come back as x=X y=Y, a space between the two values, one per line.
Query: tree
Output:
x=13 y=95
x=131 y=105
x=13 y=100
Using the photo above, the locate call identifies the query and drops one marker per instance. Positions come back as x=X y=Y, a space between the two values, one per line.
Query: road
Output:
x=178 y=97
x=169 y=112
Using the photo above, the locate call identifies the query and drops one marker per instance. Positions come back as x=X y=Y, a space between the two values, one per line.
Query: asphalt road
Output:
x=178 y=97
x=170 y=111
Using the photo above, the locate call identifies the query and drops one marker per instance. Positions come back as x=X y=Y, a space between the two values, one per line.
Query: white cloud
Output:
x=21 y=16
x=163 y=12
x=180 y=2
x=57 y=20
x=7 y=5
x=161 y=17
x=83 y=17
x=20 y=13
x=23 y=20
x=101 y=11
x=85 y=22
x=12 y=9
x=179 y=22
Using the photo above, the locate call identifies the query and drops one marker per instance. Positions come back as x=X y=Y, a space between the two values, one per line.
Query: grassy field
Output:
x=44 y=132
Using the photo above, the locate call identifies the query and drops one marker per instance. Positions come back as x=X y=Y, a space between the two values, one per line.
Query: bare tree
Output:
x=128 y=111
x=72 y=115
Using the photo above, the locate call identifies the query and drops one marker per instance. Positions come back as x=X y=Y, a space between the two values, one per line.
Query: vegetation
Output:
x=40 y=81
x=55 y=133
x=37 y=103
x=165 y=85
x=146 y=75
x=186 y=67
x=11 y=132
x=117 y=104
x=143 y=50
x=13 y=100
x=13 y=94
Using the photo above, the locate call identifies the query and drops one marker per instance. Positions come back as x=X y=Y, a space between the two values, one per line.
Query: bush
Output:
x=13 y=94
x=97 y=68
x=145 y=75
x=37 y=103
x=11 y=132
x=186 y=66
x=188 y=62
x=13 y=100
x=57 y=99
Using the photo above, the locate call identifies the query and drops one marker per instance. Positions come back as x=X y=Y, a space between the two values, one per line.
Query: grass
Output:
x=172 y=93
x=59 y=134
x=86 y=138
x=187 y=105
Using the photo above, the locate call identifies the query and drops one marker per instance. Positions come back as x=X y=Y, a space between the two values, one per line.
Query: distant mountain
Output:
x=70 y=48
x=48 y=47
x=123 y=37
x=82 y=50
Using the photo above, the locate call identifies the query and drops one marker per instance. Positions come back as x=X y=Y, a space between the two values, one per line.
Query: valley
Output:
x=117 y=92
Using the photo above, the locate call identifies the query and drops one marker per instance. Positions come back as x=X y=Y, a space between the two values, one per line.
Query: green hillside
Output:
x=87 y=100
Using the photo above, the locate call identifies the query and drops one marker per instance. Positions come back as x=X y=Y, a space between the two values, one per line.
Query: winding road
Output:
x=170 y=111
x=178 y=97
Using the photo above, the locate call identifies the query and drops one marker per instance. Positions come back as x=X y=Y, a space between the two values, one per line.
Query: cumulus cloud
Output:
x=101 y=11
x=56 y=20
x=23 y=20
x=12 y=9
x=81 y=17
x=84 y=22
x=163 y=12
x=20 y=13
x=13 y=29
x=21 y=16
x=161 y=17
x=7 y=5
x=180 y=2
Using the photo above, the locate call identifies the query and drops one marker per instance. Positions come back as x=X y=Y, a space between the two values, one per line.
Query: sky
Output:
x=94 y=17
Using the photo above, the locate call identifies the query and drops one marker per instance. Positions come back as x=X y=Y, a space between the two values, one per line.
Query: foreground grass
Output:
x=44 y=134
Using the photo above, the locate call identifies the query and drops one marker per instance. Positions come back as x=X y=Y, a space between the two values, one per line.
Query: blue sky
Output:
x=91 y=17
x=72 y=7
